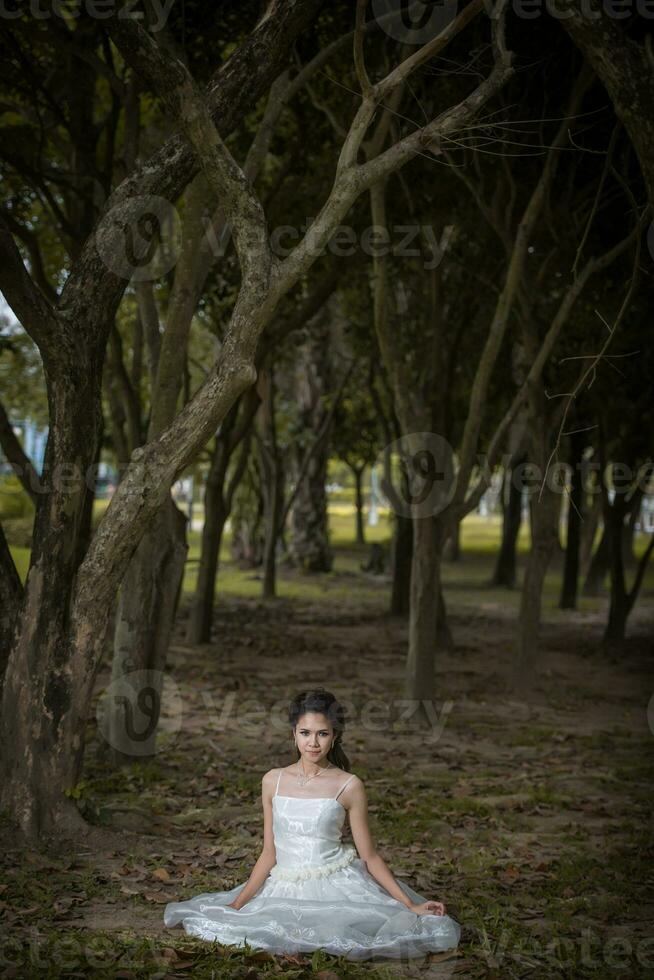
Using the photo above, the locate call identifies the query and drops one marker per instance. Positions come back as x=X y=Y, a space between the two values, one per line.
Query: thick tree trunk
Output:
x=402 y=560
x=248 y=534
x=575 y=517
x=624 y=66
x=310 y=545
x=146 y=612
x=43 y=710
x=505 y=566
x=544 y=540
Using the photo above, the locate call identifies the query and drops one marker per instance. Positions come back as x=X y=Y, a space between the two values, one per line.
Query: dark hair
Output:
x=322 y=702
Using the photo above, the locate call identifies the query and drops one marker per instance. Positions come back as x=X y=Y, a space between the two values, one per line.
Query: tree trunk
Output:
x=310 y=546
x=505 y=566
x=619 y=606
x=544 y=539
x=154 y=578
x=623 y=65
x=273 y=499
x=452 y=550
x=402 y=561
x=575 y=517
x=444 y=639
x=423 y=618
x=248 y=535
x=358 y=478
x=617 y=518
x=272 y=481
x=218 y=498
x=146 y=612
x=215 y=515
x=599 y=566
x=589 y=530
x=629 y=530
x=43 y=710
x=11 y=593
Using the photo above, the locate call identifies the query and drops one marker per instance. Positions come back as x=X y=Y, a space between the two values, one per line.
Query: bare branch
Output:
x=383 y=88
x=15 y=454
x=190 y=111
x=560 y=319
x=31 y=242
x=36 y=315
x=590 y=369
x=359 y=59
x=512 y=285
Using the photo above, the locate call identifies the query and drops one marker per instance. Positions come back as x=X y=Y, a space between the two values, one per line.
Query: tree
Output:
x=357 y=439
x=63 y=619
x=61 y=624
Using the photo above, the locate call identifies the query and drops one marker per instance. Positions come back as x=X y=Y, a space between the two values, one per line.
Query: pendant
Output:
x=303 y=780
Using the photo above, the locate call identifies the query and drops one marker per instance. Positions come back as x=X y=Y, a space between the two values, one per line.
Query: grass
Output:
x=480 y=537
x=529 y=819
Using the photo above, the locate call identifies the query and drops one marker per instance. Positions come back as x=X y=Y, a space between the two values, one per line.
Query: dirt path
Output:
x=531 y=820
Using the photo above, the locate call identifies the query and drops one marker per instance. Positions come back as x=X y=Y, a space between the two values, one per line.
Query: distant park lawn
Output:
x=480 y=538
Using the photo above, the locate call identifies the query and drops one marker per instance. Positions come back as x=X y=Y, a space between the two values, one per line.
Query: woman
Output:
x=307 y=890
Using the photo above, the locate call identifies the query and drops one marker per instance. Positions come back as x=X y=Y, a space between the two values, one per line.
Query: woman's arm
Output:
x=357 y=807
x=267 y=859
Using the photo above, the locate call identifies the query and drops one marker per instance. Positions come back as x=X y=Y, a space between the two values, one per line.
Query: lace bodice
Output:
x=307 y=833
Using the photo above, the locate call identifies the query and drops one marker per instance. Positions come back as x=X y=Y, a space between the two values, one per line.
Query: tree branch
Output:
x=11 y=595
x=36 y=315
x=15 y=454
x=560 y=319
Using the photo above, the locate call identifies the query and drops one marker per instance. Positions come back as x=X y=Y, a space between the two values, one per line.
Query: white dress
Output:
x=319 y=895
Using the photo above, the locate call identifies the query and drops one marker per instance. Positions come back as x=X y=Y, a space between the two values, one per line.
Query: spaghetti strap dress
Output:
x=319 y=895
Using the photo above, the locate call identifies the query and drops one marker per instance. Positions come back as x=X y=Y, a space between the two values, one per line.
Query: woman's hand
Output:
x=230 y=905
x=428 y=908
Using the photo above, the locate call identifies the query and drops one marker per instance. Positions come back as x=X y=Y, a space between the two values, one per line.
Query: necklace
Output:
x=304 y=779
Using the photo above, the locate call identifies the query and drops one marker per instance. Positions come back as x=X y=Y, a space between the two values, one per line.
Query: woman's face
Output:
x=313 y=734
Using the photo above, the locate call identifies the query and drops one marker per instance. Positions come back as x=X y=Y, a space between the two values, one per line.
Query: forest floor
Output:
x=531 y=818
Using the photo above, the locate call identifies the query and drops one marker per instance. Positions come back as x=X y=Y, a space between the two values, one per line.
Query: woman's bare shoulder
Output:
x=270 y=778
x=352 y=785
